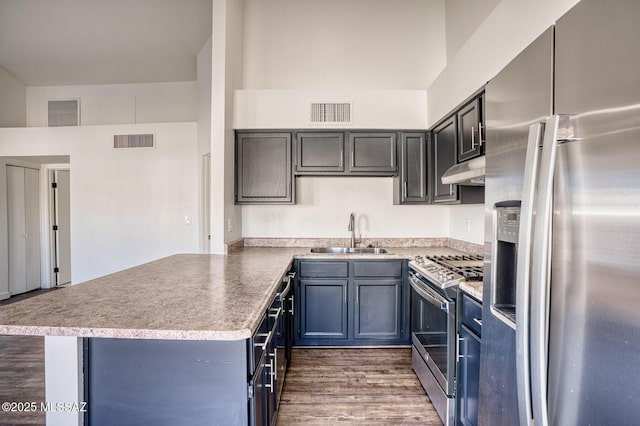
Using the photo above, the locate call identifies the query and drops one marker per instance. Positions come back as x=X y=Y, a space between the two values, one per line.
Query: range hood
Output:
x=470 y=173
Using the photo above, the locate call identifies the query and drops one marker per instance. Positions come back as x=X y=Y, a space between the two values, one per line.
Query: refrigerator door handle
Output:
x=541 y=264
x=523 y=365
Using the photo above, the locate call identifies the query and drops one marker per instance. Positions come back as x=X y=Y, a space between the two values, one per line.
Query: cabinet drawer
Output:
x=319 y=269
x=377 y=268
x=472 y=314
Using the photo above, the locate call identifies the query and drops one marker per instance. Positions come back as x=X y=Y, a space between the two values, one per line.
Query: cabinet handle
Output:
x=357 y=294
x=473 y=140
x=345 y=294
x=479 y=134
x=458 y=340
x=353 y=157
x=404 y=189
x=451 y=189
x=266 y=341
x=341 y=157
x=478 y=321
x=274 y=354
x=270 y=366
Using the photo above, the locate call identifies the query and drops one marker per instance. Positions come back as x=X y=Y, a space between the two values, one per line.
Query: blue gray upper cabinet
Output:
x=412 y=183
x=319 y=152
x=444 y=156
x=357 y=153
x=264 y=172
x=470 y=130
x=457 y=138
x=373 y=152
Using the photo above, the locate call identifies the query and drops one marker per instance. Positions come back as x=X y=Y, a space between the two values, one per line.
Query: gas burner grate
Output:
x=454 y=257
x=469 y=266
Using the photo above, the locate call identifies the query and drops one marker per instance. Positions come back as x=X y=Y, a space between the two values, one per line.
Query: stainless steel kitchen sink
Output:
x=349 y=250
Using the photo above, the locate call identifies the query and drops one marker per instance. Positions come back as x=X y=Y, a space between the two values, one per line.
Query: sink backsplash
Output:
x=375 y=242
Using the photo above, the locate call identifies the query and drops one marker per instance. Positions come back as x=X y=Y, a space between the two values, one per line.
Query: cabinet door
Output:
x=468 y=378
x=319 y=152
x=258 y=408
x=323 y=306
x=444 y=154
x=373 y=152
x=264 y=168
x=469 y=130
x=414 y=169
x=377 y=309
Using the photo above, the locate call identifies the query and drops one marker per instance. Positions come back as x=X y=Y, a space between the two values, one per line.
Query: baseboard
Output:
x=5 y=295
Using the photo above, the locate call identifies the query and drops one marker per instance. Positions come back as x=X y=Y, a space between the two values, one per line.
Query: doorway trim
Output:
x=206 y=203
x=47 y=211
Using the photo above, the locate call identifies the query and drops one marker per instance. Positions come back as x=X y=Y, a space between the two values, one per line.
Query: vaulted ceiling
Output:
x=65 y=42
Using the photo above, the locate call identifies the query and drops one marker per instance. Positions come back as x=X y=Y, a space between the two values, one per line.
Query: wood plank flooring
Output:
x=354 y=386
x=26 y=295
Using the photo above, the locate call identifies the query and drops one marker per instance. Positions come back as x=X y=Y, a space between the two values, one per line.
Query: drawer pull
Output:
x=478 y=321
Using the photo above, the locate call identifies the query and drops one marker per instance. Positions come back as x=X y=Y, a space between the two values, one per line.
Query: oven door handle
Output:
x=428 y=295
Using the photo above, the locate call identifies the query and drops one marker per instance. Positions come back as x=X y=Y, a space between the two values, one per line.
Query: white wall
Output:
x=337 y=44
x=463 y=17
x=371 y=109
x=127 y=206
x=508 y=29
x=13 y=101
x=234 y=69
x=204 y=132
x=119 y=103
x=466 y=223
x=381 y=55
x=324 y=204
x=227 y=27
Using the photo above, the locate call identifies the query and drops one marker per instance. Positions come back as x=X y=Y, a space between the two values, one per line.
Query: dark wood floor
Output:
x=354 y=386
x=26 y=295
x=22 y=371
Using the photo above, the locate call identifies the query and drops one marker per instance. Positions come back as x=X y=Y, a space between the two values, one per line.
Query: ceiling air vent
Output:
x=64 y=112
x=330 y=112
x=133 y=141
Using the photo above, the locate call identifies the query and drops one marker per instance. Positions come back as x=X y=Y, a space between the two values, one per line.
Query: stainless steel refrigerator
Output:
x=561 y=311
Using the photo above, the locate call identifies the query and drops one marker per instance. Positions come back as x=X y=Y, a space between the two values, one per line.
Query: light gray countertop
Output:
x=181 y=297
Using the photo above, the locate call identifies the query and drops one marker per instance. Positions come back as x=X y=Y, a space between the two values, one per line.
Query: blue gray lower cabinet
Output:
x=468 y=377
x=377 y=309
x=324 y=304
x=351 y=302
x=166 y=382
x=186 y=382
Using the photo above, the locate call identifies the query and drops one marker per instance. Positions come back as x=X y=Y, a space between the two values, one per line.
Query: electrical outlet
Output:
x=229 y=225
x=187 y=220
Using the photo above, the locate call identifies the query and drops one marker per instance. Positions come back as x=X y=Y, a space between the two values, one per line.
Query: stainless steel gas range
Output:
x=434 y=289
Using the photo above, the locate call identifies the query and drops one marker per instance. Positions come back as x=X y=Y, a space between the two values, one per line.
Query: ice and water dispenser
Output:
x=505 y=256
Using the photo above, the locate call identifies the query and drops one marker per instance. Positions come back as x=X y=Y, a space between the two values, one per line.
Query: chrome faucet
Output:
x=352 y=229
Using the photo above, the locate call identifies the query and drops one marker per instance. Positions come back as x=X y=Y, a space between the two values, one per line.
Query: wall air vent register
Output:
x=330 y=112
x=64 y=112
x=133 y=141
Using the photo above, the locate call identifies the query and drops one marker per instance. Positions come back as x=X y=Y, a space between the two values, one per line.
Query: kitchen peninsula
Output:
x=191 y=313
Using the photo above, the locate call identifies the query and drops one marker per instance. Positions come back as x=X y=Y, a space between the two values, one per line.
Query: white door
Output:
x=23 y=207
x=62 y=226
